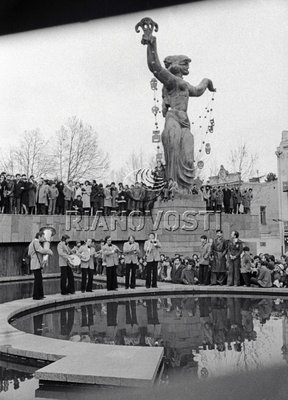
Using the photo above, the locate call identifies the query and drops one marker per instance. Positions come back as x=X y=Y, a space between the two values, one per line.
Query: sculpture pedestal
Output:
x=179 y=224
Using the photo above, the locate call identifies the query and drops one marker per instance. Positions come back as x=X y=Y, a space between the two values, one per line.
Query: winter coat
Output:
x=42 y=192
x=86 y=192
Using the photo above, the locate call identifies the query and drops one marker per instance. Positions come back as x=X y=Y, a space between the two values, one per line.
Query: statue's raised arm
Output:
x=162 y=74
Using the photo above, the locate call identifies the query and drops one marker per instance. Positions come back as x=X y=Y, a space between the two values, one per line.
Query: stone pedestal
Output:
x=179 y=223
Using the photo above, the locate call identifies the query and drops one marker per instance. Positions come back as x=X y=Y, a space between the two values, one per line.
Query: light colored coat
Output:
x=68 y=192
x=36 y=253
x=42 y=192
x=86 y=252
x=63 y=252
x=108 y=198
x=110 y=255
x=131 y=252
x=86 y=196
x=152 y=251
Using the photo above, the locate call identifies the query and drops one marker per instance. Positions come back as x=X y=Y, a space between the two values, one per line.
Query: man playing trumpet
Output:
x=152 y=251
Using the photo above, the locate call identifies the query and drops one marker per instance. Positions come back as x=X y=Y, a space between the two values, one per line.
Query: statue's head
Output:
x=177 y=65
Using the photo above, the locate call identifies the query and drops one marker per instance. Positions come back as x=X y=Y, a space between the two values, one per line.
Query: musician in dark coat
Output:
x=226 y=198
x=234 y=251
x=218 y=255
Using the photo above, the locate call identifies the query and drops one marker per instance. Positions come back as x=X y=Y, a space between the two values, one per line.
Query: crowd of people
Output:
x=220 y=262
x=231 y=200
x=22 y=195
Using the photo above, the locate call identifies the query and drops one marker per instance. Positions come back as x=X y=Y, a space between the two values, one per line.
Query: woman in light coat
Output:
x=86 y=193
x=107 y=200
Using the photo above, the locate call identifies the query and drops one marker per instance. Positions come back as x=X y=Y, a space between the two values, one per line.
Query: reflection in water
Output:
x=14 y=376
x=201 y=336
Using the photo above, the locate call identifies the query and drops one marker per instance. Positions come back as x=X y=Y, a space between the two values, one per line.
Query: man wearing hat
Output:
x=67 y=278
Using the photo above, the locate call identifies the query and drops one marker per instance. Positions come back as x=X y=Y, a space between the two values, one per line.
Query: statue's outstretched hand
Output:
x=211 y=87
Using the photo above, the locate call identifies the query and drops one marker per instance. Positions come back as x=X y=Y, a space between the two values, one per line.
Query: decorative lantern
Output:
x=200 y=164
x=207 y=148
x=155 y=110
x=156 y=137
x=153 y=83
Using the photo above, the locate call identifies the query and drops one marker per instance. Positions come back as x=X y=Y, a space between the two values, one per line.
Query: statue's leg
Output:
x=171 y=143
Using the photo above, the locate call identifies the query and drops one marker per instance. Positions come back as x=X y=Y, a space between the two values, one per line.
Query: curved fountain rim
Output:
x=165 y=289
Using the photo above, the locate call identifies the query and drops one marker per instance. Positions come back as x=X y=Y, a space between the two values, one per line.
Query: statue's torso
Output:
x=178 y=96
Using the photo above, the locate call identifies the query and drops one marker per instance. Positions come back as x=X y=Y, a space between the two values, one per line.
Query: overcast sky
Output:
x=97 y=71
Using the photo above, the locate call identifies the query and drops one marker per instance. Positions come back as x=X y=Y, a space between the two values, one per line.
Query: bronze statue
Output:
x=177 y=140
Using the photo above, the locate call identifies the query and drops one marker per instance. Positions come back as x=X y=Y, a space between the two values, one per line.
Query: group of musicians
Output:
x=84 y=257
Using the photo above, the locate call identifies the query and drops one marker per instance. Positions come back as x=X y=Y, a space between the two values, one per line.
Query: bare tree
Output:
x=30 y=157
x=77 y=152
x=242 y=160
x=134 y=162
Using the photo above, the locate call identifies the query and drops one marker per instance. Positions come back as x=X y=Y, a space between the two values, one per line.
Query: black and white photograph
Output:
x=144 y=200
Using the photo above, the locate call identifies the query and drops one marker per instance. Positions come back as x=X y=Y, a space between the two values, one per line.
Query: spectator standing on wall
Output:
x=100 y=198
x=204 y=261
x=121 y=199
x=234 y=251
x=42 y=197
x=53 y=193
x=93 y=197
x=107 y=200
x=10 y=194
x=36 y=252
x=226 y=198
x=60 y=202
x=77 y=190
x=86 y=193
x=67 y=284
x=114 y=195
x=136 y=194
x=219 y=199
x=32 y=189
x=69 y=194
x=18 y=193
x=25 y=194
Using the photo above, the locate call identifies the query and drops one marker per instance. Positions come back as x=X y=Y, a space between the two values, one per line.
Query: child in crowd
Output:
x=246 y=265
